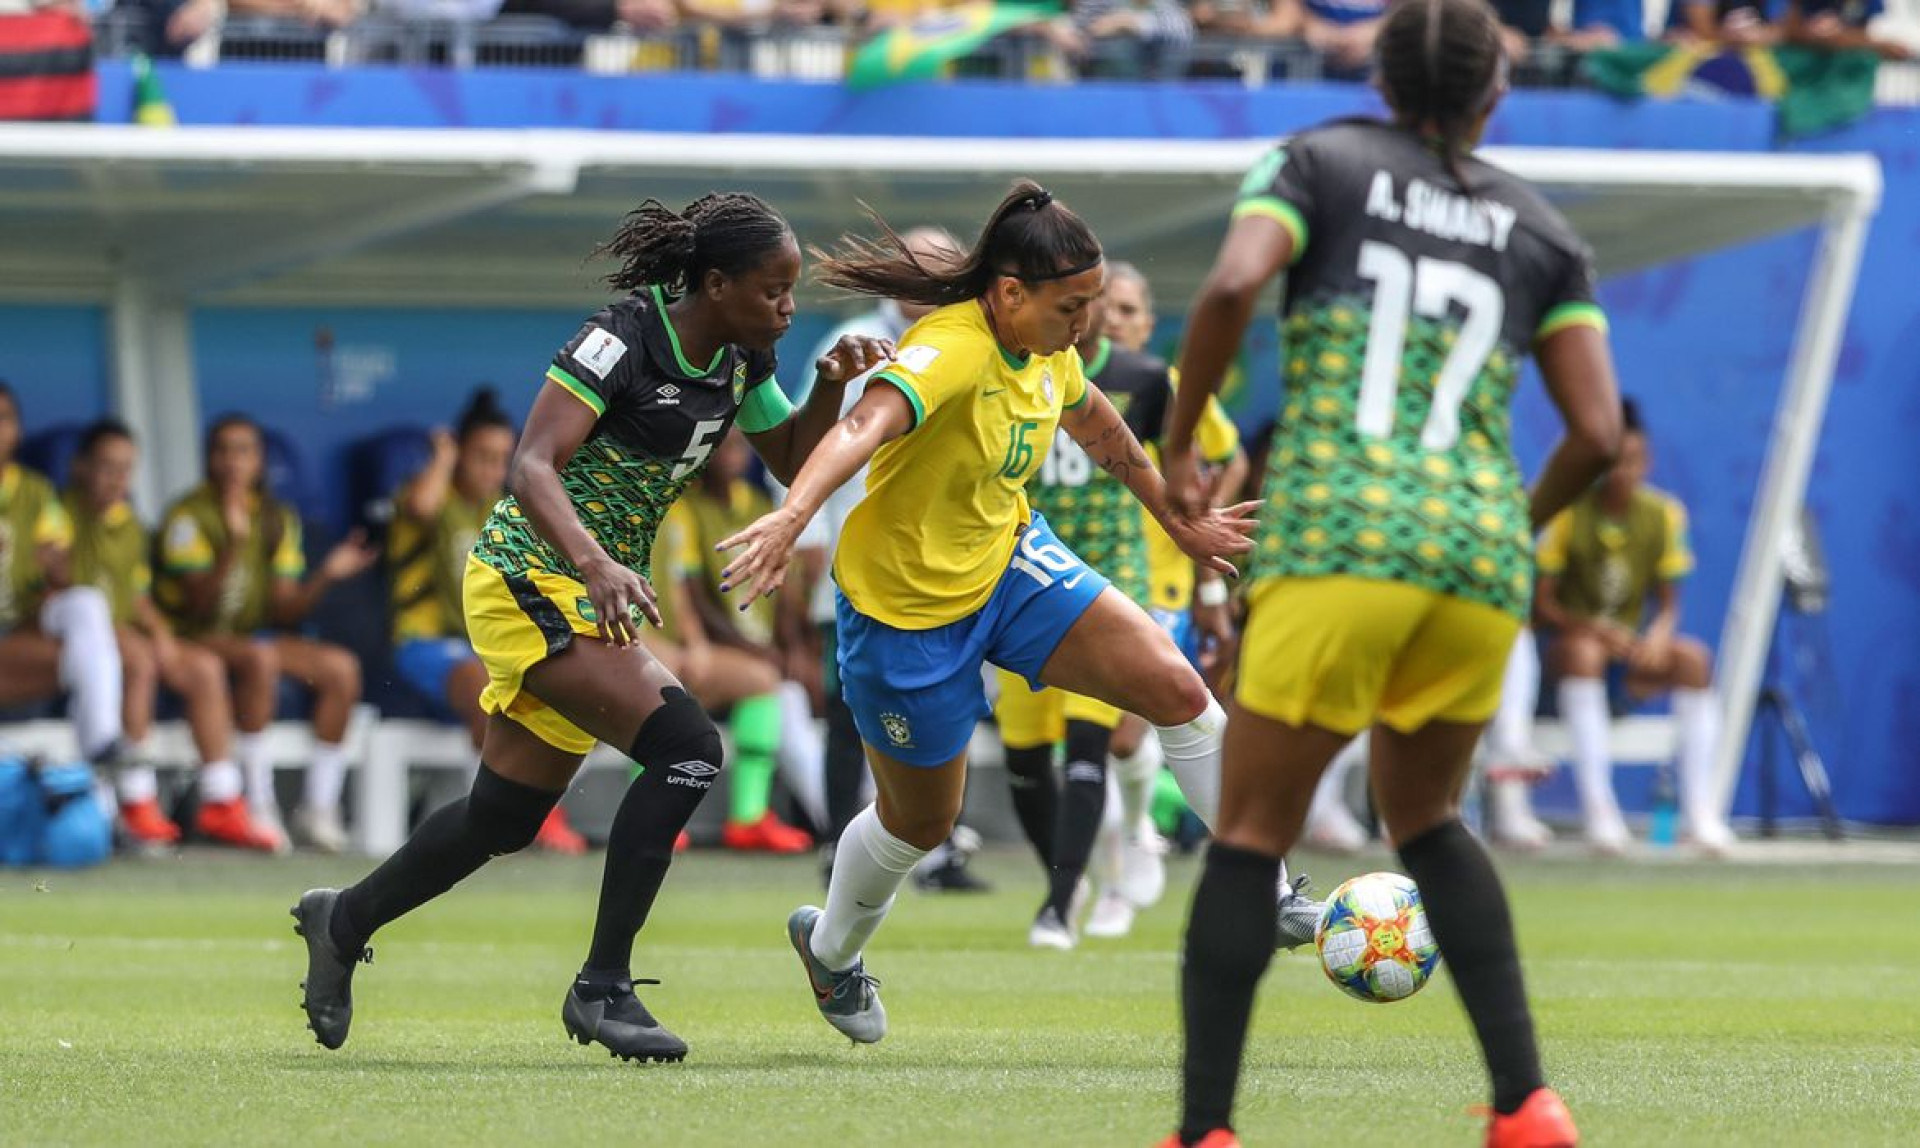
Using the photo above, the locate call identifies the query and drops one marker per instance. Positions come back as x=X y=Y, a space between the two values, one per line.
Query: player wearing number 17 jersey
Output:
x=1393 y=567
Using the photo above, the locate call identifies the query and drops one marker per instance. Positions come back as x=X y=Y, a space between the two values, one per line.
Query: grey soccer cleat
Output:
x=849 y=999
x=328 y=989
x=1299 y=916
x=622 y=1024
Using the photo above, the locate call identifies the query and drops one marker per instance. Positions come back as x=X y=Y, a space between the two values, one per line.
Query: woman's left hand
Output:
x=1208 y=538
x=765 y=548
x=851 y=357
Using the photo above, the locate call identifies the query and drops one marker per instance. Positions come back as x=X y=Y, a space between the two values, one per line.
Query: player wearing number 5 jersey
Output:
x=944 y=565
x=555 y=597
x=1393 y=565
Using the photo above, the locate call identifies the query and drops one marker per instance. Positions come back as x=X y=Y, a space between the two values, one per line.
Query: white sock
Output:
x=1583 y=706
x=1193 y=753
x=326 y=777
x=1510 y=736
x=220 y=782
x=1330 y=796
x=802 y=756
x=868 y=867
x=1133 y=778
x=1697 y=713
x=137 y=783
x=89 y=664
x=251 y=749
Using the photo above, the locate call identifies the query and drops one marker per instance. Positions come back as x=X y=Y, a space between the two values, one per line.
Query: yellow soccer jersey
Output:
x=945 y=501
x=30 y=517
x=1168 y=566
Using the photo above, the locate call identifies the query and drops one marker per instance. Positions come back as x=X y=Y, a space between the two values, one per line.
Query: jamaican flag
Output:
x=919 y=51
x=1813 y=91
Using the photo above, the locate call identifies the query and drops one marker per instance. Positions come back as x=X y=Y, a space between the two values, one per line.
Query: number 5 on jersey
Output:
x=700 y=444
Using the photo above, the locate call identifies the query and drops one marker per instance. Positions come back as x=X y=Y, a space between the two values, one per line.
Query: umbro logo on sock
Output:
x=693 y=774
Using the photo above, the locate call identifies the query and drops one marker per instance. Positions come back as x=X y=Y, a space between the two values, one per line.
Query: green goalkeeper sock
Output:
x=756 y=735
x=1168 y=803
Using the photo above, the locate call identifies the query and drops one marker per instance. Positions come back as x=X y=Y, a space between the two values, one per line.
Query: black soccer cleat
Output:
x=328 y=1002
x=622 y=1024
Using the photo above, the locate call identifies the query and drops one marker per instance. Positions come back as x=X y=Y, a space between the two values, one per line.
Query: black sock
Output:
x=596 y=985
x=1229 y=942
x=680 y=752
x=1467 y=910
x=497 y=816
x=1035 y=799
x=1083 y=798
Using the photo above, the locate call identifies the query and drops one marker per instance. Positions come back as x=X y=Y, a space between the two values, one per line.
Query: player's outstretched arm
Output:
x=1578 y=369
x=1207 y=537
x=766 y=547
x=786 y=447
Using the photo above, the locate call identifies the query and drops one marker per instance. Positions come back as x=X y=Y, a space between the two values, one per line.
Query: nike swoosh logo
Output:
x=1075 y=580
x=993 y=392
x=864 y=905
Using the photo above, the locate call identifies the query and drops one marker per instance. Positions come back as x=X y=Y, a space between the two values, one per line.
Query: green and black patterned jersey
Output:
x=659 y=418
x=1408 y=310
x=1093 y=512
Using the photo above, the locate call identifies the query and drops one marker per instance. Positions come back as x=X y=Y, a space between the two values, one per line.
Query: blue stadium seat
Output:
x=51 y=451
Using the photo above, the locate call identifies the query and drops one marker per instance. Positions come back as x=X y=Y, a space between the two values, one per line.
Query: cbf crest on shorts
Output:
x=898 y=731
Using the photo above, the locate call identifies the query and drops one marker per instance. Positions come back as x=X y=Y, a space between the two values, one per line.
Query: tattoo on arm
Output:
x=1117 y=451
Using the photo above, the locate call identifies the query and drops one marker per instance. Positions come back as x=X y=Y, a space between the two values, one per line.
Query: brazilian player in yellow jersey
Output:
x=110 y=551
x=555 y=593
x=944 y=566
x=1393 y=567
x=437 y=517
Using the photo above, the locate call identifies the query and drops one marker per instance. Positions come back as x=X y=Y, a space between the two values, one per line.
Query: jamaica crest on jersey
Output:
x=739 y=381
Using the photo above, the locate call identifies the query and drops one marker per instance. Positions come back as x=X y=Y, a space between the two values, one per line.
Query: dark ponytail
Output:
x=729 y=232
x=1031 y=236
x=483 y=412
x=1442 y=62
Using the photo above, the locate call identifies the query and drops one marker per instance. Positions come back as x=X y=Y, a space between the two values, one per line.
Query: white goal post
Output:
x=150 y=223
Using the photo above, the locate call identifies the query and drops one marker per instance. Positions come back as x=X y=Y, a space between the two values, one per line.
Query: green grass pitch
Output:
x=155 y=1003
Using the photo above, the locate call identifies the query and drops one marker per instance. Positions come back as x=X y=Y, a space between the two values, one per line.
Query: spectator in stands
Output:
x=641 y=16
x=1609 y=594
x=775 y=726
x=110 y=552
x=1343 y=32
x=945 y=869
x=233 y=579
x=437 y=515
x=1249 y=19
x=1602 y=24
x=54 y=637
x=173 y=25
x=1736 y=23
x=1131 y=38
x=1839 y=25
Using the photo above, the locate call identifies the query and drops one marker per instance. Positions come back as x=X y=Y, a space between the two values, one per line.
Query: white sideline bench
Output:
x=1638 y=739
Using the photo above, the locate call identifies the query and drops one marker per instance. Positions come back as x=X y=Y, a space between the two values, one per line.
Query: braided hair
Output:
x=1442 y=62
x=729 y=232
x=1030 y=236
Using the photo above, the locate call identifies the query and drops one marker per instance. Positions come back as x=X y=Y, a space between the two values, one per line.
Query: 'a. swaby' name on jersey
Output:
x=1442 y=213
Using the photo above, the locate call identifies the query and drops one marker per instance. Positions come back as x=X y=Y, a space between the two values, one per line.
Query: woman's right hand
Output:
x=616 y=592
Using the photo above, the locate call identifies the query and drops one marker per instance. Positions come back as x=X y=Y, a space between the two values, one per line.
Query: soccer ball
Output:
x=1373 y=938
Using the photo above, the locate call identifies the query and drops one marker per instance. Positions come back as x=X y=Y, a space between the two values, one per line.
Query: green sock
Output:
x=756 y=734
x=1168 y=804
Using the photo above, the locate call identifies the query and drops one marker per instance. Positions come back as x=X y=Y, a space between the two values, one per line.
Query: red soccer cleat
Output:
x=683 y=842
x=1218 y=1138
x=557 y=835
x=767 y=835
x=232 y=823
x=147 y=825
x=1542 y=1122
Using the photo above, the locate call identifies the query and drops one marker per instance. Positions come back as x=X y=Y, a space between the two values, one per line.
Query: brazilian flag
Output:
x=1813 y=91
x=922 y=50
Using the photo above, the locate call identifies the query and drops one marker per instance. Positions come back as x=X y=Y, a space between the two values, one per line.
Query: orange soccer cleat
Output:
x=557 y=835
x=1218 y=1138
x=146 y=824
x=232 y=823
x=1542 y=1122
x=767 y=835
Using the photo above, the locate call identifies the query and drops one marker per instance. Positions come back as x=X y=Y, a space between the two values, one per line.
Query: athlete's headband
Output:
x=1035 y=200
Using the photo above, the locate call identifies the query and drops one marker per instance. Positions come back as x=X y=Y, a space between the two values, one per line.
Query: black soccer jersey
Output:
x=659 y=418
x=1093 y=512
x=1408 y=309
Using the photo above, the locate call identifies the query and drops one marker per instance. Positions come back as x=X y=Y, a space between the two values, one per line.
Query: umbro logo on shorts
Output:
x=693 y=774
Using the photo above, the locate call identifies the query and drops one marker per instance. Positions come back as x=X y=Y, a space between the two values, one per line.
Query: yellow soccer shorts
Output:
x=514 y=624
x=1343 y=653
x=1031 y=717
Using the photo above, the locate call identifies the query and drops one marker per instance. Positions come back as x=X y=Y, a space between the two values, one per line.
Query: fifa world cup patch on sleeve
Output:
x=600 y=351
x=918 y=357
